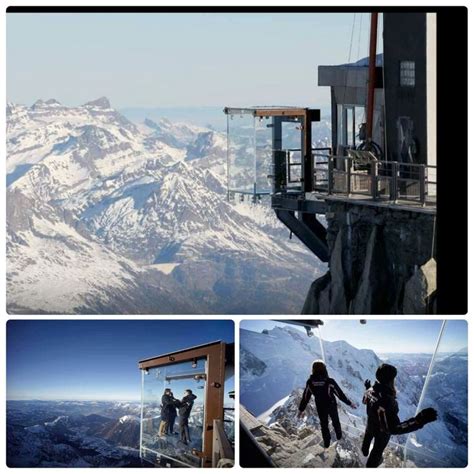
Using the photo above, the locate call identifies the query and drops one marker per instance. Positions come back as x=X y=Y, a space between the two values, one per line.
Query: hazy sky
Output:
x=384 y=336
x=179 y=59
x=95 y=360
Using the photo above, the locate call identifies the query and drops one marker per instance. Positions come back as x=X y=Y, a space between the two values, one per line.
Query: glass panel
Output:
x=241 y=153
x=350 y=126
x=291 y=134
x=229 y=405
x=359 y=120
x=291 y=144
x=264 y=159
x=166 y=423
x=340 y=125
x=444 y=444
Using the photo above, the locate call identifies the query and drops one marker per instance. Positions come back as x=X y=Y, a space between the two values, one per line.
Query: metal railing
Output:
x=378 y=180
x=291 y=162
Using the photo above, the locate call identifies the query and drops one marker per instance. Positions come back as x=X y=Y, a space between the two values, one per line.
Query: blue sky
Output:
x=386 y=336
x=95 y=360
x=179 y=59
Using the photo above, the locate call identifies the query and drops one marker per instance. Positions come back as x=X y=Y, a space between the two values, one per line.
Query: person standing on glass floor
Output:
x=325 y=390
x=382 y=415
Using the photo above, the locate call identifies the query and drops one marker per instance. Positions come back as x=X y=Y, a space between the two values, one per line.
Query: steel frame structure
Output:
x=215 y=355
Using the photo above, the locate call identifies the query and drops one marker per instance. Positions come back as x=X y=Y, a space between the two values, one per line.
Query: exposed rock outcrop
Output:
x=382 y=261
x=420 y=289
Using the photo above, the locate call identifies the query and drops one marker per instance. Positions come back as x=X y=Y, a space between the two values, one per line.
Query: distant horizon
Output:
x=379 y=334
x=175 y=59
x=208 y=116
x=94 y=98
x=138 y=107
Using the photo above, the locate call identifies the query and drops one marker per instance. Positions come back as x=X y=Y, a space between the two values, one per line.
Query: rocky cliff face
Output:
x=291 y=442
x=383 y=261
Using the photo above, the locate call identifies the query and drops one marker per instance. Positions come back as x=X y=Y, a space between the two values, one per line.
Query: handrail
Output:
x=400 y=181
x=400 y=163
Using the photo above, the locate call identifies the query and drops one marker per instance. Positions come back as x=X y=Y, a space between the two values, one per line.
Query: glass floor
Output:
x=439 y=381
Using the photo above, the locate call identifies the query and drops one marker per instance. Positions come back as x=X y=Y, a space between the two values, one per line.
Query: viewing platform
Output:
x=270 y=152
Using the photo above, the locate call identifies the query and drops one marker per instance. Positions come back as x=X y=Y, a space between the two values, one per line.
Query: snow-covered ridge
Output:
x=129 y=418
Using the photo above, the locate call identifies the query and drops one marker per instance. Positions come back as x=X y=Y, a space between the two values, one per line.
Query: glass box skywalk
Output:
x=172 y=436
x=265 y=147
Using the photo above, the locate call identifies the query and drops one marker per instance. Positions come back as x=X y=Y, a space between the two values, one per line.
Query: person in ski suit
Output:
x=325 y=390
x=382 y=415
x=185 y=407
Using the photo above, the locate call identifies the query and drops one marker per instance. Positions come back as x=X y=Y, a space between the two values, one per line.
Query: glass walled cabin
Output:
x=266 y=148
x=204 y=370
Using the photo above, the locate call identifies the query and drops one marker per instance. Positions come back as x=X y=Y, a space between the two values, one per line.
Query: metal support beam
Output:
x=316 y=227
x=305 y=233
x=286 y=203
x=372 y=70
x=307 y=151
x=279 y=157
x=334 y=119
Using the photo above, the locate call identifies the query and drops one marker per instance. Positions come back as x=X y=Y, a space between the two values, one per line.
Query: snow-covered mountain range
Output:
x=108 y=216
x=73 y=434
x=276 y=363
x=43 y=433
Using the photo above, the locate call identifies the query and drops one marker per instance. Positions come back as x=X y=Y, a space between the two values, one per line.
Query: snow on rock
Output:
x=106 y=215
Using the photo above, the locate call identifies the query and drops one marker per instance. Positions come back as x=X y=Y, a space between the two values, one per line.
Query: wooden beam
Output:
x=297 y=112
x=214 y=398
x=177 y=356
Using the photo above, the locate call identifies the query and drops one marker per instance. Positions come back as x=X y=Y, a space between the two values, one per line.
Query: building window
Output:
x=407 y=73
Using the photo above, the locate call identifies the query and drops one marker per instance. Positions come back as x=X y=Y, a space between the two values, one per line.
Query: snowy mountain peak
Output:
x=45 y=104
x=52 y=102
x=129 y=419
x=150 y=123
x=101 y=102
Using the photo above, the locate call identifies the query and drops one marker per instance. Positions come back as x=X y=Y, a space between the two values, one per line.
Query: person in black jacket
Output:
x=325 y=390
x=382 y=415
x=185 y=407
x=167 y=405
x=172 y=414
